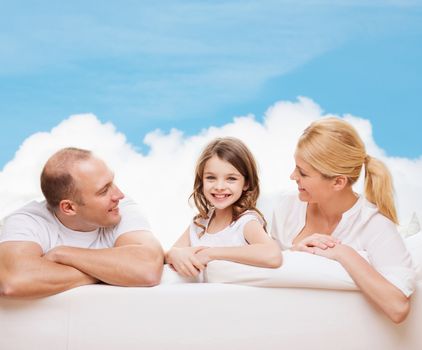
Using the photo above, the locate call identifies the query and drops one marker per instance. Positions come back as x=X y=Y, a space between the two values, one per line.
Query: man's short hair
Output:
x=57 y=182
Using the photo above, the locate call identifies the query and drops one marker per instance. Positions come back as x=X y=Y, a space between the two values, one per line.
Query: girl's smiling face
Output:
x=223 y=184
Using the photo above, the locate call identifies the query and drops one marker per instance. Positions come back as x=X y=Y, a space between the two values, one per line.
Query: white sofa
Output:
x=314 y=305
x=319 y=307
x=205 y=316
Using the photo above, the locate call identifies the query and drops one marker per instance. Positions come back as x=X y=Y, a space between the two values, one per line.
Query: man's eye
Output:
x=104 y=191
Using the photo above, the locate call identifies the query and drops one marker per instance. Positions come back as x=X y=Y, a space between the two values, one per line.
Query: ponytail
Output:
x=379 y=187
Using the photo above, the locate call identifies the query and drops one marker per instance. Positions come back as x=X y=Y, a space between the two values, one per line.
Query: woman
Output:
x=328 y=219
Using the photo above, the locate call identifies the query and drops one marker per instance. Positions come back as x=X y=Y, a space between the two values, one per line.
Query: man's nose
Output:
x=117 y=194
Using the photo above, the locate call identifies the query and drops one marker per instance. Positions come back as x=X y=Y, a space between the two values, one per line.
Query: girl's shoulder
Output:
x=249 y=215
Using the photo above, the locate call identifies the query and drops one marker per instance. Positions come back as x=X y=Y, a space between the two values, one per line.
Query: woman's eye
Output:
x=209 y=177
x=232 y=179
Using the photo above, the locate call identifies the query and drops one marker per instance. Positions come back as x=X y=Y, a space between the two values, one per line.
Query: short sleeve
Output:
x=23 y=227
x=248 y=217
x=132 y=219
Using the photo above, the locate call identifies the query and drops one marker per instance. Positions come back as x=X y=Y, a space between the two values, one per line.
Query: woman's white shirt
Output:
x=362 y=227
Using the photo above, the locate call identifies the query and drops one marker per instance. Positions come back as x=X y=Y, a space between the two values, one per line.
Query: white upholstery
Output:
x=180 y=315
x=299 y=269
x=204 y=316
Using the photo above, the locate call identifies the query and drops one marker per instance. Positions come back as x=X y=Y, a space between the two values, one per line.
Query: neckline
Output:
x=76 y=234
x=348 y=213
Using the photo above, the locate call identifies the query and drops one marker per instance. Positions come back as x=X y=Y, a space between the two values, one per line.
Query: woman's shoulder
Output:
x=372 y=220
x=370 y=212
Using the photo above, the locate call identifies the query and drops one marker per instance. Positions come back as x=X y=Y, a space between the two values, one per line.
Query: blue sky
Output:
x=192 y=64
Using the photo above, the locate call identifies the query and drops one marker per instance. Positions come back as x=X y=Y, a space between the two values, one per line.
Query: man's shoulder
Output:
x=37 y=210
x=129 y=207
x=132 y=217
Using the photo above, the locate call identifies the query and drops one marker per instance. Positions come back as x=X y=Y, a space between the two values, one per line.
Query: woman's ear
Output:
x=246 y=186
x=340 y=182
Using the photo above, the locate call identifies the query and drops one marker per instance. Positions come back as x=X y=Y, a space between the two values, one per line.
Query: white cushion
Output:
x=298 y=270
x=411 y=228
x=172 y=277
x=414 y=245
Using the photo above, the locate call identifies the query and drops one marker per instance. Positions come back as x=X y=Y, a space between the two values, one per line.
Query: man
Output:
x=84 y=233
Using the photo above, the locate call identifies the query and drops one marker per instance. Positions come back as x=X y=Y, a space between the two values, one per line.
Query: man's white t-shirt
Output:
x=36 y=223
x=362 y=227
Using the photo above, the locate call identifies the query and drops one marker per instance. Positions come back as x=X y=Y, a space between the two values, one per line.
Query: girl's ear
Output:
x=246 y=186
x=340 y=182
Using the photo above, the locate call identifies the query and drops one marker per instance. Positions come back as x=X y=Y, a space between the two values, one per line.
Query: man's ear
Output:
x=67 y=207
x=340 y=182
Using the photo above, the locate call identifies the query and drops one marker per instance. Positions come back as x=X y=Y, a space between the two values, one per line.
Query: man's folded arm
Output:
x=24 y=272
x=135 y=260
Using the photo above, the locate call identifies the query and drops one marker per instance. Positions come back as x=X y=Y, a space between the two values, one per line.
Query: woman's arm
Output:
x=261 y=251
x=182 y=257
x=379 y=291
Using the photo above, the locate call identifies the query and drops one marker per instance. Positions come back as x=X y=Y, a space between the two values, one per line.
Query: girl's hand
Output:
x=316 y=240
x=184 y=261
x=203 y=256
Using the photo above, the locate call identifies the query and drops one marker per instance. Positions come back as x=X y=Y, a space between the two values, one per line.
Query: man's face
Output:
x=99 y=195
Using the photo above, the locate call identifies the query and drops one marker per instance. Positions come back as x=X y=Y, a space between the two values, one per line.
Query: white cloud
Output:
x=162 y=179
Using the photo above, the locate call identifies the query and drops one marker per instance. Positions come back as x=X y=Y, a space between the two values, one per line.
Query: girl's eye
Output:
x=302 y=174
x=209 y=177
x=232 y=179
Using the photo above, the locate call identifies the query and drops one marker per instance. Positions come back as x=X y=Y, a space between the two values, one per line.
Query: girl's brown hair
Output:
x=235 y=152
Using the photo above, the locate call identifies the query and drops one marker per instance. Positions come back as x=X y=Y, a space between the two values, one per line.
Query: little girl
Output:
x=228 y=226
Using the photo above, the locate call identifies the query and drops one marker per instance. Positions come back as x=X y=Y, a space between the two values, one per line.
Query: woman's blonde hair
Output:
x=235 y=152
x=333 y=147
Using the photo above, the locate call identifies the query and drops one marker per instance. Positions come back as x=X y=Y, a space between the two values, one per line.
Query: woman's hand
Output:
x=185 y=261
x=334 y=253
x=317 y=240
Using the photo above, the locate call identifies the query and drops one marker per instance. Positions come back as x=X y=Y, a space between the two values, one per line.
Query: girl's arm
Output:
x=182 y=257
x=379 y=291
x=261 y=251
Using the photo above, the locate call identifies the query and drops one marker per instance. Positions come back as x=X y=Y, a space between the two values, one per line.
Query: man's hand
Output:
x=135 y=260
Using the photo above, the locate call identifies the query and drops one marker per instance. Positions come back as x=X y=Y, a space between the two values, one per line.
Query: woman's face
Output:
x=312 y=186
